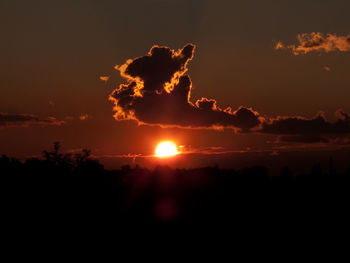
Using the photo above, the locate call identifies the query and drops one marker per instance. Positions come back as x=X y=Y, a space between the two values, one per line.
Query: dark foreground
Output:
x=66 y=194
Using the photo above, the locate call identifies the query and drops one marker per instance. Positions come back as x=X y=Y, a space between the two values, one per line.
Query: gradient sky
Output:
x=53 y=53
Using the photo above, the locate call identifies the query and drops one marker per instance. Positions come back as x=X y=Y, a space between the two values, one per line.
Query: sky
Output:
x=274 y=59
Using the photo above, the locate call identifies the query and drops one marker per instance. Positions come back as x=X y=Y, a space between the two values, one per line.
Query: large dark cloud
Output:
x=318 y=42
x=25 y=120
x=158 y=92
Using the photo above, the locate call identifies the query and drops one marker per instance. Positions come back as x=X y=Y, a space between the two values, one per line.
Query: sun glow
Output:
x=166 y=149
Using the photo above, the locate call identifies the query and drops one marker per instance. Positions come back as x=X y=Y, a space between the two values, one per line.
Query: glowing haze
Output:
x=166 y=149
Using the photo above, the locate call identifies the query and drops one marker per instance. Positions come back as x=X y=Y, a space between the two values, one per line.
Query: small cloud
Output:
x=214 y=150
x=104 y=78
x=279 y=45
x=274 y=153
x=313 y=138
x=84 y=117
x=327 y=68
x=317 y=42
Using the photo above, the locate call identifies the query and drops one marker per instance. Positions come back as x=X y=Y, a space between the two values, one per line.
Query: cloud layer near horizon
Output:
x=310 y=130
x=24 y=120
x=158 y=92
x=317 y=42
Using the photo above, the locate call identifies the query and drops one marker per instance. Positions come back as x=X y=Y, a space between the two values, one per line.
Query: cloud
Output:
x=104 y=78
x=327 y=68
x=313 y=138
x=158 y=92
x=317 y=42
x=341 y=141
x=308 y=128
x=84 y=117
x=24 y=120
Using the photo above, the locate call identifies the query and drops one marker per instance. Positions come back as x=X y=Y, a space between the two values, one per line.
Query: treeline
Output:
x=61 y=184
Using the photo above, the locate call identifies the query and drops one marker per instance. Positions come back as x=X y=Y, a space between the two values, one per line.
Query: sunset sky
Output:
x=283 y=68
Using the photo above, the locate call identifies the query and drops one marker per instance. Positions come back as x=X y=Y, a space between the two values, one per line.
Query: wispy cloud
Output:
x=24 y=120
x=104 y=78
x=317 y=42
x=327 y=68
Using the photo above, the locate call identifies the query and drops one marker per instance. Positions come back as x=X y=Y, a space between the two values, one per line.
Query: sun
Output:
x=166 y=149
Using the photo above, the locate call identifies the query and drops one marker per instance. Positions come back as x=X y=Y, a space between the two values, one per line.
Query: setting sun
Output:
x=166 y=149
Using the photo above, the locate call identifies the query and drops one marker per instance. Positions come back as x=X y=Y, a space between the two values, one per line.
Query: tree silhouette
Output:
x=286 y=172
x=57 y=158
x=317 y=170
x=74 y=182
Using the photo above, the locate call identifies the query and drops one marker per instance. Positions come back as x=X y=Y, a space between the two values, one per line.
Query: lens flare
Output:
x=166 y=149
